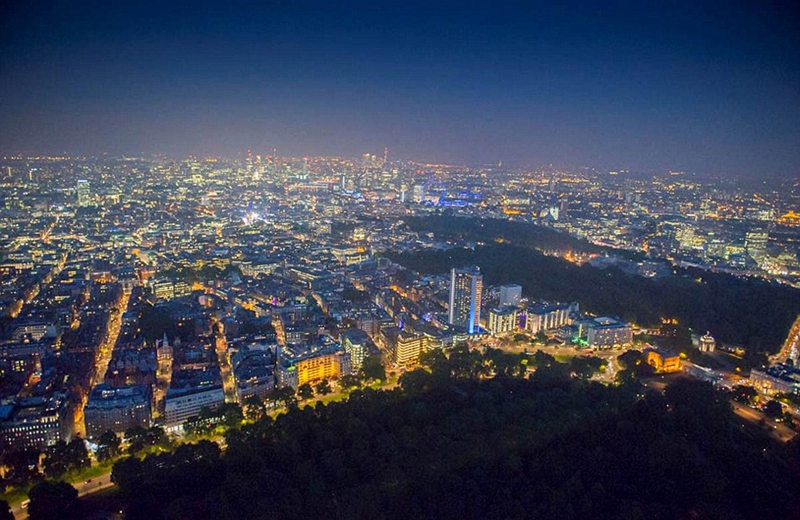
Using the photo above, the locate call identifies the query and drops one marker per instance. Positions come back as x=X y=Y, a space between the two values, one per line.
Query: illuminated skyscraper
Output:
x=756 y=243
x=466 y=286
x=84 y=192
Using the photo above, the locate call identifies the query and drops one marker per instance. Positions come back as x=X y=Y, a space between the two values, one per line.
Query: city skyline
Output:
x=522 y=260
x=704 y=88
x=148 y=302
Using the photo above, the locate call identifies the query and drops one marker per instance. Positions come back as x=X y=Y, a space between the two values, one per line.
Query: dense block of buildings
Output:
x=34 y=423
x=191 y=390
x=116 y=409
x=254 y=372
x=777 y=379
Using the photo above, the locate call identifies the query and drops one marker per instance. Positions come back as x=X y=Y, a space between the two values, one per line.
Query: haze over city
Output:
x=710 y=87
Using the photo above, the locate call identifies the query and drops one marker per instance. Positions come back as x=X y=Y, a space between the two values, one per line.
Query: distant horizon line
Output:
x=510 y=165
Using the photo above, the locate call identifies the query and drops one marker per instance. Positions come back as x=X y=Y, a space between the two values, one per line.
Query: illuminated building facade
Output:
x=34 y=423
x=605 y=332
x=84 y=192
x=707 y=343
x=317 y=368
x=503 y=320
x=356 y=342
x=466 y=289
x=191 y=390
x=116 y=409
x=777 y=379
x=663 y=362
x=548 y=316
x=408 y=348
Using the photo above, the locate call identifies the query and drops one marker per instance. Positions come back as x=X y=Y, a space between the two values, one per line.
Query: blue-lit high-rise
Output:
x=466 y=287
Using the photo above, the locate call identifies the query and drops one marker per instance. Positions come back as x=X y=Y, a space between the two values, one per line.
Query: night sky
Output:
x=711 y=87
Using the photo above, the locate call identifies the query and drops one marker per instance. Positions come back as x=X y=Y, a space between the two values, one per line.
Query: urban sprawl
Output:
x=147 y=292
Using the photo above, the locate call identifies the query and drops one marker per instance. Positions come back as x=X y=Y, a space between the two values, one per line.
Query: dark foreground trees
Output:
x=64 y=457
x=450 y=445
x=5 y=511
x=54 y=501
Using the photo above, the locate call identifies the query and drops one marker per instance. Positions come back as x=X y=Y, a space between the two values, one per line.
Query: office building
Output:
x=541 y=317
x=755 y=243
x=84 y=192
x=466 y=287
x=191 y=390
x=116 y=409
x=503 y=320
x=34 y=423
x=604 y=332
x=510 y=295
x=404 y=347
x=358 y=344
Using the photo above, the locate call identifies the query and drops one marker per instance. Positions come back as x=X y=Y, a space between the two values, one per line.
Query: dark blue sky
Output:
x=703 y=86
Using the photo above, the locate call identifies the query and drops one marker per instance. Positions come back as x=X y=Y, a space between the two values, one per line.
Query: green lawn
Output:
x=390 y=382
x=87 y=473
x=16 y=495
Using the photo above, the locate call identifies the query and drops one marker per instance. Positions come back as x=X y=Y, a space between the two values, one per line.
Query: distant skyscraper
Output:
x=510 y=295
x=84 y=191
x=466 y=286
x=417 y=193
x=756 y=243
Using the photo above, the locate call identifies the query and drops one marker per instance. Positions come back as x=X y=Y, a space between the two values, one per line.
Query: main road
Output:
x=104 y=352
x=88 y=487
x=779 y=431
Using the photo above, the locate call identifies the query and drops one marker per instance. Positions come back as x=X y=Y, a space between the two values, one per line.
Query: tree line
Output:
x=749 y=312
x=475 y=434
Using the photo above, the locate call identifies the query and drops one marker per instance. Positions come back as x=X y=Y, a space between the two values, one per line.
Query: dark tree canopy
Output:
x=64 y=457
x=305 y=391
x=108 y=446
x=373 y=369
x=54 y=501
x=5 y=511
x=464 y=438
